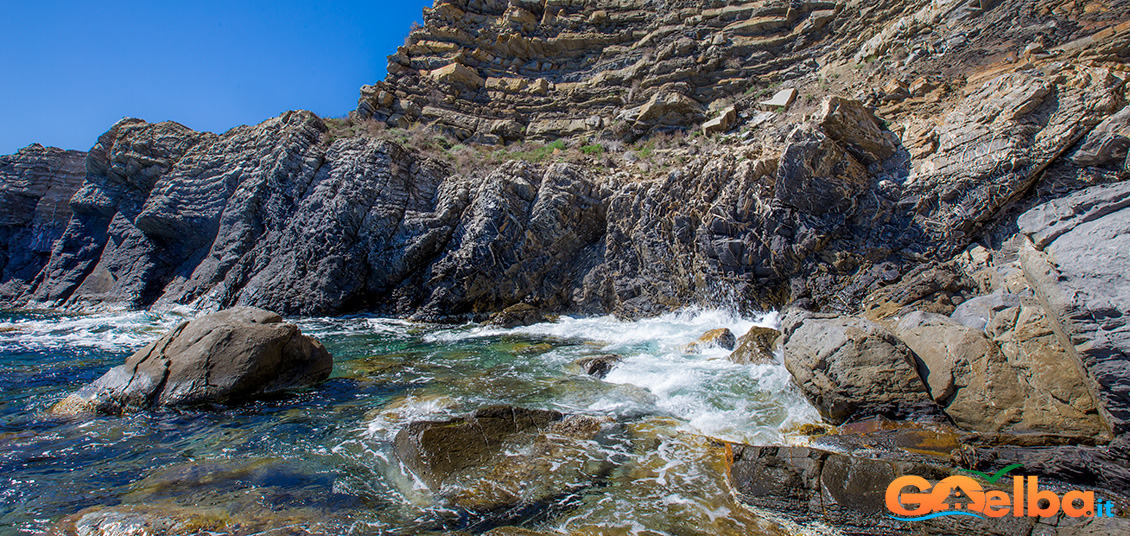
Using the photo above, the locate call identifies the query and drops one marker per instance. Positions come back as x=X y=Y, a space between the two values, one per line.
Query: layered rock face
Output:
x=36 y=186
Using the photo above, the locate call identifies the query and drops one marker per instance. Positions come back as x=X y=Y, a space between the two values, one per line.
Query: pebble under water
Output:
x=320 y=461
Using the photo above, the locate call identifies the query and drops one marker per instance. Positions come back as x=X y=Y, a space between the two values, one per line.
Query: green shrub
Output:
x=593 y=150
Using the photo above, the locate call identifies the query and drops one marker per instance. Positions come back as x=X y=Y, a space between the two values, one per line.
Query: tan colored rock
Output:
x=724 y=122
x=1027 y=391
x=756 y=346
x=717 y=338
x=458 y=74
x=854 y=125
x=507 y=85
x=850 y=367
x=670 y=108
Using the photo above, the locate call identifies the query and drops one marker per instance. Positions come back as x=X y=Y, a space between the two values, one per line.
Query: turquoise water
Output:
x=320 y=460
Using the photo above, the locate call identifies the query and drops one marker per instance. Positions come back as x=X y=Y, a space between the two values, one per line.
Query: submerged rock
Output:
x=850 y=367
x=756 y=346
x=226 y=357
x=500 y=458
x=716 y=338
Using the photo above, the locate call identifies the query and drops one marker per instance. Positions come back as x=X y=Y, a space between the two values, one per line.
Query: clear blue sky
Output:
x=70 y=70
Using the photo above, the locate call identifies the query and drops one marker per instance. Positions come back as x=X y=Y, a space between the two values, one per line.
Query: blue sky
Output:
x=70 y=70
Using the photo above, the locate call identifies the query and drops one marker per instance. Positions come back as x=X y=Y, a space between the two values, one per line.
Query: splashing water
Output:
x=322 y=461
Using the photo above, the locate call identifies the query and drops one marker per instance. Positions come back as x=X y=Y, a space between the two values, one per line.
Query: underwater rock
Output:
x=226 y=357
x=502 y=458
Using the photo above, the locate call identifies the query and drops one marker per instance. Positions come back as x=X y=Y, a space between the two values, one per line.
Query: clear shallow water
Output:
x=321 y=460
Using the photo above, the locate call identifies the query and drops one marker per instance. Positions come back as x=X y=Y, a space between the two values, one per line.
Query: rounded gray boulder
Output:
x=226 y=357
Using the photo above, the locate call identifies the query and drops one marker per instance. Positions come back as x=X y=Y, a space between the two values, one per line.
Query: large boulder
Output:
x=851 y=367
x=1031 y=392
x=521 y=314
x=226 y=357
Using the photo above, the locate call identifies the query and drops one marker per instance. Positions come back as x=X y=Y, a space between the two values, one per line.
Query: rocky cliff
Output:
x=941 y=184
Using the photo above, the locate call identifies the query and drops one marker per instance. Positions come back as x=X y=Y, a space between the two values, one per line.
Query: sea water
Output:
x=321 y=460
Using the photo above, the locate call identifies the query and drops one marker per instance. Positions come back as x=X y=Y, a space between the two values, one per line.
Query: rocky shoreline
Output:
x=942 y=218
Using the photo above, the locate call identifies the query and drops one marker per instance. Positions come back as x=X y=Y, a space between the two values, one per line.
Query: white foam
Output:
x=104 y=331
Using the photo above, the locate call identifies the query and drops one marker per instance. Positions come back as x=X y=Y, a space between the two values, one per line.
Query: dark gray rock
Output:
x=599 y=366
x=852 y=368
x=1106 y=143
x=222 y=358
x=36 y=185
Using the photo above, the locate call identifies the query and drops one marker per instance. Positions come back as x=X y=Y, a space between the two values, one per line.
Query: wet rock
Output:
x=716 y=338
x=855 y=126
x=1077 y=264
x=852 y=368
x=522 y=314
x=222 y=496
x=222 y=358
x=599 y=366
x=503 y=460
x=847 y=492
x=435 y=451
x=756 y=346
x=1034 y=394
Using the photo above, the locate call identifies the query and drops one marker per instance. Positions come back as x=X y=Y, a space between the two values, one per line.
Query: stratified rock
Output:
x=1034 y=393
x=222 y=358
x=36 y=185
x=716 y=338
x=816 y=176
x=1078 y=265
x=599 y=366
x=756 y=346
x=522 y=314
x=852 y=368
x=855 y=126
x=1108 y=142
x=929 y=287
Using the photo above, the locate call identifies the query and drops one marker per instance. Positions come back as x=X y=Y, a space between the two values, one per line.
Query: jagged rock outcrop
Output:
x=36 y=185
